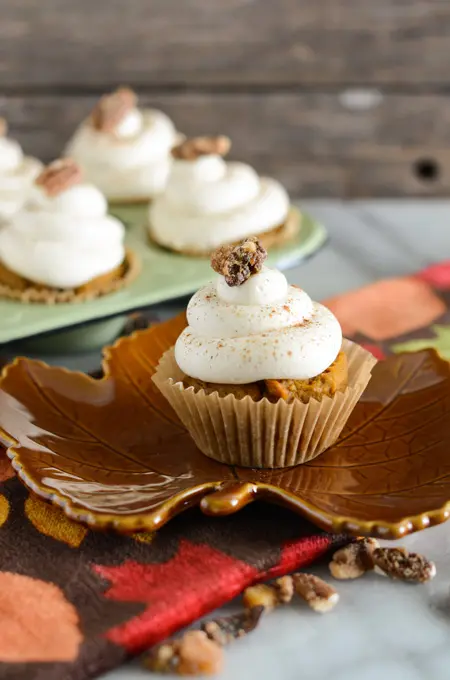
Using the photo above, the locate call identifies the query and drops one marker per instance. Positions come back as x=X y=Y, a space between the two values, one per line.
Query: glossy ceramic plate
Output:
x=113 y=454
x=164 y=275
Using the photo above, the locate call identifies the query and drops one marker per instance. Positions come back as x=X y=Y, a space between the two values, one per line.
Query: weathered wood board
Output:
x=334 y=97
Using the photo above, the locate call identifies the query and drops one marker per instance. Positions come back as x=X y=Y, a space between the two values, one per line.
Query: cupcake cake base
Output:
x=15 y=287
x=332 y=380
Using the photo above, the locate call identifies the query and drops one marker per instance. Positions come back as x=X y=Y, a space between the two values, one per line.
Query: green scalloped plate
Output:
x=164 y=276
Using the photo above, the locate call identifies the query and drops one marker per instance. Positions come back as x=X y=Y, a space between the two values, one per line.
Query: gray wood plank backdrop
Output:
x=335 y=97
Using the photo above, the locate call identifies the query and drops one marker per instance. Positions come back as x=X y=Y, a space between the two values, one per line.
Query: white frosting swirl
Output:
x=209 y=202
x=17 y=173
x=132 y=163
x=63 y=241
x=261 y=330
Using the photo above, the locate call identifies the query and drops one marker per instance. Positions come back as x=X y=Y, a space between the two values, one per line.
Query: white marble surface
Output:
x=380 y=629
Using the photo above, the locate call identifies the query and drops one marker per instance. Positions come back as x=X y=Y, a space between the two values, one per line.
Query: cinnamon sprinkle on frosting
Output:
x=193 y=148
x=59 y=176
x=112 y=109
x=238 y=263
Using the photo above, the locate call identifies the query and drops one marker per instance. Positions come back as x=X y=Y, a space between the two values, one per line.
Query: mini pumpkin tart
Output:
x=124 y=150
x=209 y=202
x=261 y=376
x=17 y=173
x=62 y=246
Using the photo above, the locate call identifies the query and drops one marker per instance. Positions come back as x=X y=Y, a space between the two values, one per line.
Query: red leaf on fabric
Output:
x=438 y=275
x=300 y=553
x=196 y=580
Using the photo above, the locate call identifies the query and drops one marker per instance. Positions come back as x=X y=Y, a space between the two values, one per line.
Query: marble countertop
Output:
x=380 y=628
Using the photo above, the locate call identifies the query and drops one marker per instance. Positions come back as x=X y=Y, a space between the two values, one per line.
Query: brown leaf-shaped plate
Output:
x=113 y=454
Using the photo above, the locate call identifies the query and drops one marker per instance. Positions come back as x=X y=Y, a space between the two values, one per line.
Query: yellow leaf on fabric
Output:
x=4 y=510
x=441 y=343
x=51 y=521
x=144 y=537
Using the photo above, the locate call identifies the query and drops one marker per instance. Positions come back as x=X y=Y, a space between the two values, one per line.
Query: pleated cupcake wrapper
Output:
x=51 y=296
x=259 y=433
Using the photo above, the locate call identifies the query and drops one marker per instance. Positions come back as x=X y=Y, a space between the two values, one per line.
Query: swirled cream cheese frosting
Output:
x=209 y=202
x=63 y=236
x=17 y=173
x=124 y=150
x=259 y=329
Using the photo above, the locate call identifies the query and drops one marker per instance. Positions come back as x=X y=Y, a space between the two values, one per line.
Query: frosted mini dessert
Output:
x=209 y=202
x=261 y=375
x=17 y=173
x=124 y=150
x=251 y=333
x=62 y=245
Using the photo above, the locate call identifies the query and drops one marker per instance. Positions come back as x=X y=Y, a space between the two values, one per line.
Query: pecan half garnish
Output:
x=192 y=148
x=112 y=108
x=59 y=176
x=238 y=263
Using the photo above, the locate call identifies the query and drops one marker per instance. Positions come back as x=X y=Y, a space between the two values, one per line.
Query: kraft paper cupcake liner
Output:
x=262 y=434
x=128 y=272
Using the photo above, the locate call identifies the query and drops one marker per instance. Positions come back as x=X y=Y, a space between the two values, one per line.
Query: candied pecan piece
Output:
x=228 y=628
x=238 y=263
x=59 y=176
x=284 y=587
x=190 y=149
x=193 y=654
x=261 y=595
x=267 y=595
x=112 y=108
x=316 y=592
x=354 y=559
x=400 y=564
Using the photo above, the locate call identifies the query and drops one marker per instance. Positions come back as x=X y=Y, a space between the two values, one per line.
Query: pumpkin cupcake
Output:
x=17 y=173
x=62 y=246
x=209 y=202
x=261 y=376
x=124 y=150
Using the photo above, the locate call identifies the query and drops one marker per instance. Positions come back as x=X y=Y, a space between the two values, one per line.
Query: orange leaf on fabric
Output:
x=109 y=451
x=51 y=521
x=6 y=470
x=387 y=309
x=37 y=622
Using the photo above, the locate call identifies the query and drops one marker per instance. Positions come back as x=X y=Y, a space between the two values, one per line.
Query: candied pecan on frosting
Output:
x=238 y=263
x=192 y=148
x=112 y=109
x=59 y=176
x=3 y=127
